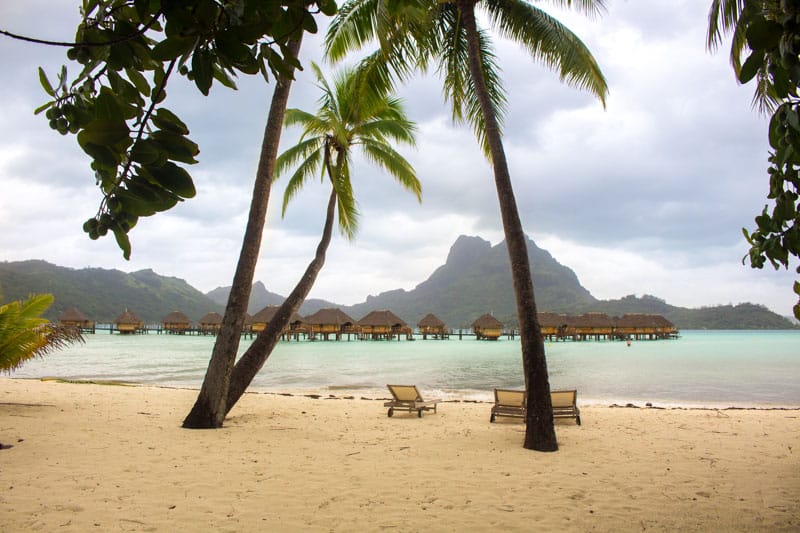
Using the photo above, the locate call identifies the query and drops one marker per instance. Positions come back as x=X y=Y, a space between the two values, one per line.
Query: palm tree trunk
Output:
x=210 y=407
x=540 y=433
x=257 y=354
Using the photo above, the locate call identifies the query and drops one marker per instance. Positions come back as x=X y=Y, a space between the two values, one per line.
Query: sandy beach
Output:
x=89 y=457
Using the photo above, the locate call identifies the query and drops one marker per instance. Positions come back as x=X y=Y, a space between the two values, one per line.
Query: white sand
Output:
x=111 y=458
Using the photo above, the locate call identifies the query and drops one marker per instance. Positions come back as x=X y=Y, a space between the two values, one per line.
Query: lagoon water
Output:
x=701 y=368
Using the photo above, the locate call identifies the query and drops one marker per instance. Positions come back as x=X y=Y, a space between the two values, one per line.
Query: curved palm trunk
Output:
x=258 y=352
x=210 y=407
x=539 y=434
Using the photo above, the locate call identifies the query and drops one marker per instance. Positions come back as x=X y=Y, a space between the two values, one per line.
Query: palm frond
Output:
x=723 y=17
x=24 y=335
x=384 y=156
x=302 y=151
x=550 y=42
x=307 y=168
x=591 y=8
x=351 y=29
x=458 y=84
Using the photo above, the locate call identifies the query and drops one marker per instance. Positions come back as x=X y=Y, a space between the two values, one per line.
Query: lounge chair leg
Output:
x=391 y=412
x=578 y=420
x=419 y=413
x=491 y=419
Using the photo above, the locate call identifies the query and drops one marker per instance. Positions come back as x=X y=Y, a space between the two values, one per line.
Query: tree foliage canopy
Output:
x=343 y=121
x=128 y=52
x=768 y=32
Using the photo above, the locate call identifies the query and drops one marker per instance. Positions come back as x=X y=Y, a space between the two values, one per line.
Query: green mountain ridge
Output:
x=475 y=279
x=102 y=294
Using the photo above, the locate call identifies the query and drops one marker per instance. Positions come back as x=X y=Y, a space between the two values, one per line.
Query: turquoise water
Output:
x=702 y=368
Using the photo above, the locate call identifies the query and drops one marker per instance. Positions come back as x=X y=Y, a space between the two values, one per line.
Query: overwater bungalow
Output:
x=487 y=327
x=553 y=325
x=128 y=323
x=433 y=326
x=644 y=326
x=176 y=322
x=382 y=324
x=260 y=320
x=72 y=317
x=590 y=325
x=210 y=323
x=330 y=321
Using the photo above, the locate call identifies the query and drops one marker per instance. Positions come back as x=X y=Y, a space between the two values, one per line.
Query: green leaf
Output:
x=231 y=47
x=172 y=48
x=150 y=197
x=751 y=66
x=328 y=7
x=763 y=34
x=123 y=242
x=167 y=120
x=135 y=205
x=102 y=155
x=203 y=70
x=177 y=147
x=174 y=178
x=104 y=132
x=221 y=76
x=43 y=107
x=46 y=83
x=147 y=152
x=139 y=81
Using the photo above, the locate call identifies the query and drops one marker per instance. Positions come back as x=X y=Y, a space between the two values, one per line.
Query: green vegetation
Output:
x=102 y=295
x=770 y=31
x=128 y=52
x=24 y=334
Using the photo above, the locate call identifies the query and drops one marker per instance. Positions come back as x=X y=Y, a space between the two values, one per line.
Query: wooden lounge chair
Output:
x=512 y=403
x=509 y=403
x=408 y=398
x=565 y=404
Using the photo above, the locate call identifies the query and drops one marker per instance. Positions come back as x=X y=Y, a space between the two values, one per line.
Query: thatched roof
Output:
x=176 y=317
x=431 y=321
x=641 y=320
x=128 y=317
x=487 y=321
x=384 y=317
x=268 y=313
x=211 y=319
x=330 y=315
x=72 y=315
x=552 y=320
x=590 y=320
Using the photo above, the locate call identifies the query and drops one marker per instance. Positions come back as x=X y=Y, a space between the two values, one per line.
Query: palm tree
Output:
x=343 y=121
x=24 y=335
x=209 y=409
x=417 y=32
x=729 y=16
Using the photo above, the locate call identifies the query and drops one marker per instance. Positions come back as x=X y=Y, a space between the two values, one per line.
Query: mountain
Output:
x=741 y=316
x=475 y=279
x=260 y=297
x=101 y=294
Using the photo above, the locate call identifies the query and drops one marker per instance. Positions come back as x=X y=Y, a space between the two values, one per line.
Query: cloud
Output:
x=648 y=195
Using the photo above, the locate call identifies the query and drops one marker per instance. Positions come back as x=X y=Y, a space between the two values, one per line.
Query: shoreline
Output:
x=472 y=396
x=99 y=457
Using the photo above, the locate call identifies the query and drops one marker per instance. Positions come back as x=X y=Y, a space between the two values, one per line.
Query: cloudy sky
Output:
x=646 y=196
